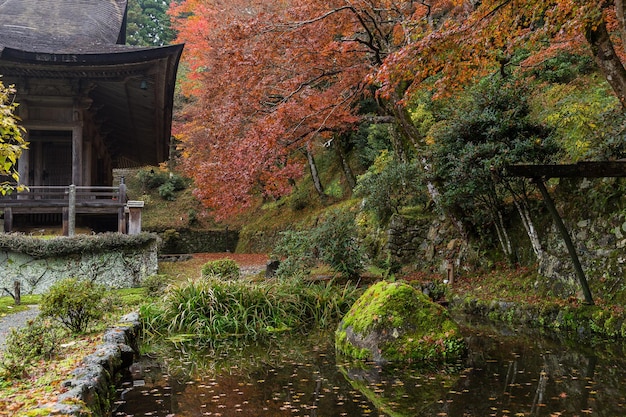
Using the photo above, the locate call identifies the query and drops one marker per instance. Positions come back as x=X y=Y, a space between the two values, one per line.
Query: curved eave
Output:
x=133 y=92
x=94 y=55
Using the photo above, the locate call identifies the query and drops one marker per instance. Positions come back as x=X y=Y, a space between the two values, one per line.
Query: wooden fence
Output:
x=68 y=200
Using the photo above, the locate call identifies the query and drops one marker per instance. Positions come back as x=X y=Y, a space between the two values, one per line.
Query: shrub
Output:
x=39 y=339
x=74 y=303
x=333 y=242
x=223 y=268
x=296 y=249
x=167 y=192
x=174 y=183
x=336 y=241
x=155 y=284
x=151 y=179
x=563 y=68
x=389 y=185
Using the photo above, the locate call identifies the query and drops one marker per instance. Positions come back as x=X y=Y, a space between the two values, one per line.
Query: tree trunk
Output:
x=503 y=236
x=397 y=144
x=606 y=58
x=314 y=173
x=527 y=222
x=620 y=11
x=345 y=166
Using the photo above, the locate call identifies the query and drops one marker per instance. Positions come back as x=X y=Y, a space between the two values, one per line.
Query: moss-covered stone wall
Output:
x=177 y=241
x=114 y=260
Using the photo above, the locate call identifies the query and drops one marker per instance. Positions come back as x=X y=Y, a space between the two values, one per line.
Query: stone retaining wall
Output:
x=90 y=390
x=197 y=241
x=114 y=266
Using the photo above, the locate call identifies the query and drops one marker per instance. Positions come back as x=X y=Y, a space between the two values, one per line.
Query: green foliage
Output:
x=167 y=183
x=173 y=184
x=389 y=185
x=563 y=68
x=12 y=143
x=151 y=179
x=334 y=241
x=167 y=191
x=587 y=120
x=212 y=309
x=370 y=141
x=479 y=134
x=155 y=285
x=148 y=23
x=297 y=250
x=74 y=303
x=223 y=268
x=63 y=246
x=39 y=339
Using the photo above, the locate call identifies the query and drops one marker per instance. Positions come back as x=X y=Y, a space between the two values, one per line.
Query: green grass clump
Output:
x=212 y=309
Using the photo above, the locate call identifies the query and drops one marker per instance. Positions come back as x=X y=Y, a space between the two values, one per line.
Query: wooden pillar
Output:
x=38 y=162
x=566 y=238
x=121 y=216
x=23 y=164
x=66 y=222
x=71 y=211
x=17 y=292
x=77 y=155
x=8 y=220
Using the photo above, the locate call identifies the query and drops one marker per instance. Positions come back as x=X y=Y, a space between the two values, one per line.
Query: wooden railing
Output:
x=68 y=200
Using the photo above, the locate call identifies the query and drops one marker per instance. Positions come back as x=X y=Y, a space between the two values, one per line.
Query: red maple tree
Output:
x=270 y=82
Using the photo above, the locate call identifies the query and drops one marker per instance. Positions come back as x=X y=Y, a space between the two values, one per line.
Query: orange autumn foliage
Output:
x=268 y=79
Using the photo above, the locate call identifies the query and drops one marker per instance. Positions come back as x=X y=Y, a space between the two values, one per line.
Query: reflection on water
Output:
x=505 y=374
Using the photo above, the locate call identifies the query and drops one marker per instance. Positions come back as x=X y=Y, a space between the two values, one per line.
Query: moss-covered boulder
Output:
x=393 y=322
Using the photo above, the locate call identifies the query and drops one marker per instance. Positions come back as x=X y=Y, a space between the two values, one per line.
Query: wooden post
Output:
x=450 y=270
x=121 y=216
x=8 y=220
x=566 y=237
x=71 y=212
x=66 y=217
x=17 y=293
x=134 y=217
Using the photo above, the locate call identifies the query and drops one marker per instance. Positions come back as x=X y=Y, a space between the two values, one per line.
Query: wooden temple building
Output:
x=89 y=102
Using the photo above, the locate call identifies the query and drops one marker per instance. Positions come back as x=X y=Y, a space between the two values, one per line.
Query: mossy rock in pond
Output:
x=393 y=322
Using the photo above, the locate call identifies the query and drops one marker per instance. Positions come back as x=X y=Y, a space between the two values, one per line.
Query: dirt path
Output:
x=14 y=320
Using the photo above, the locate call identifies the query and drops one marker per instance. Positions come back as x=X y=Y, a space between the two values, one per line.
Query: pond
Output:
x=507 y=373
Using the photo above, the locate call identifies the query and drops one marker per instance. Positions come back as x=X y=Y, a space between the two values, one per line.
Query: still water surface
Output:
x=507 y=373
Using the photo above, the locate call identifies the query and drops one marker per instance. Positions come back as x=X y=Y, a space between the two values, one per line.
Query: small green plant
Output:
x=167 y=192
x=74 y=303
x=336 y=241
x=223 y=268
x=296 y=250
x=333 y=241
x=152 y=179
x=154 y=285
x=168 y=189
x=39 y=339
